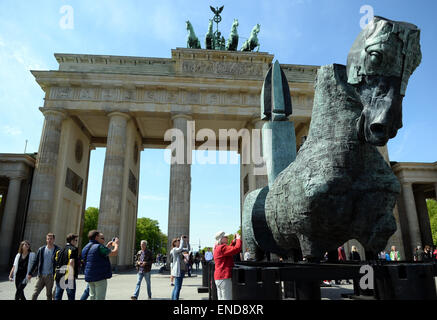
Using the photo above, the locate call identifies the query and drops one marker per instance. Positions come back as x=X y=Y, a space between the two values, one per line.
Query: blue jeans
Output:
x=71 y=293
x=177 y=286
x=146 y=276
x=86 y=293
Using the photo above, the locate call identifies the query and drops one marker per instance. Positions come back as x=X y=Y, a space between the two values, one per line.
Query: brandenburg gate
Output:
x=127 y=104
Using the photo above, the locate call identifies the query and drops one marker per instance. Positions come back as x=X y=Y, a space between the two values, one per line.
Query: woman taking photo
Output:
x=178 y=265
x=22 y=263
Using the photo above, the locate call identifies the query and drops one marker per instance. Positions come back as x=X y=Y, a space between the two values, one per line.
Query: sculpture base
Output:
x=391 y=280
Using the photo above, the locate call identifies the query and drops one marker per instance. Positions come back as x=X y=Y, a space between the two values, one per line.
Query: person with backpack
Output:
x=97 y=264
x=44 y=263
x=67 y=268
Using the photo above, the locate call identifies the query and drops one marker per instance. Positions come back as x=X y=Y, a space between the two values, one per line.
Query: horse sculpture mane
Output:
x=338 y=187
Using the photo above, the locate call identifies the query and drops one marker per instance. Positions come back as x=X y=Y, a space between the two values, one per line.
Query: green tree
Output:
x=432 y=212
x=90 y=223
x=148 y=229
x=231 y=236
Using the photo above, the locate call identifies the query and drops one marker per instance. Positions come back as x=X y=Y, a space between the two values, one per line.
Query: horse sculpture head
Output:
x=379 y=64
x=189 y=26
x=255 y=30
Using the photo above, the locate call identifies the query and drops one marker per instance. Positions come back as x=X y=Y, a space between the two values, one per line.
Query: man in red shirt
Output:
x=223 y=264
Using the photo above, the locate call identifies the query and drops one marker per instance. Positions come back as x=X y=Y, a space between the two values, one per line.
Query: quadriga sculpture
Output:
x=339 y=187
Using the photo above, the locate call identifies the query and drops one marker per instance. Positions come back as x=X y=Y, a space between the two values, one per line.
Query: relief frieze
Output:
x=64 y=93
x=222 y=68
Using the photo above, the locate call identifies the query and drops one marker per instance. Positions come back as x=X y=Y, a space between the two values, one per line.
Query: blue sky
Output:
x=313 y=32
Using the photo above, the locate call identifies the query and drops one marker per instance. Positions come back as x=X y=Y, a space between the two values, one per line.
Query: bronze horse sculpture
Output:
x=339 y=187
x=192 y=40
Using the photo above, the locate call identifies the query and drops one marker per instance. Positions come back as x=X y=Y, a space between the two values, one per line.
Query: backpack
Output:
x=62 y=263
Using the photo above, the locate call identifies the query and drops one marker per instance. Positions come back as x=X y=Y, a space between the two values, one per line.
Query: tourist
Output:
x=381 y=255
x=144 y=260
x=21 y=267
x=341 y=256
x=44 y=263
x=247 y=255
x=427 y=254
x=178 y=265
x=354 y=254
x=197 y=260
x=418 y=254
x=69 y=257
x=208 y=255
x=97 y=265
x=394 y=255
x=223 y=257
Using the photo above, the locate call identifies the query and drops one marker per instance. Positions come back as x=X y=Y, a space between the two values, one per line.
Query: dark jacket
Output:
x=97 y=266
x=39 y=261
x=148 y=259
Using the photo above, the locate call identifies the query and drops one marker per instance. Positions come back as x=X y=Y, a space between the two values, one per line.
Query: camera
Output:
x=113 y=239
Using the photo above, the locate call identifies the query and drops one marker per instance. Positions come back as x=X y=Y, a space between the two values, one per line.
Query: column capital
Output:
x=53 y=111
x=257 y=123
x=181 y=115
x=120 y=114
x=406 y=183
x=17 y=176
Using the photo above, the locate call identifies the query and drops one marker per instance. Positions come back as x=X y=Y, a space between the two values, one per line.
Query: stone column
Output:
x=113 y=173
x=8 y=221
x=423 y=216
x=44 y=179
x=180 y=188
x=411 y=214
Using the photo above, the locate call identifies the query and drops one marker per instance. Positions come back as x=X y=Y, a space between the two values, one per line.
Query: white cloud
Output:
x=11 y=131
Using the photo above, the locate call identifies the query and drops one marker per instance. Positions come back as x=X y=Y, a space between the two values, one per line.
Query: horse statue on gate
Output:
x=192 y=40
x=233 y=37
x=338 y=187
x=252 y=43
x=209 y=38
